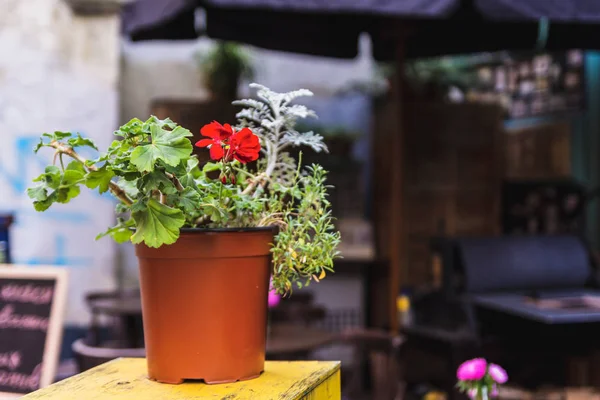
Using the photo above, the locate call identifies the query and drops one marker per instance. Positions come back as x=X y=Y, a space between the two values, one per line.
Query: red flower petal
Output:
x=204 y=142
x=217 y=131
x=216 y=152
x=244 y=134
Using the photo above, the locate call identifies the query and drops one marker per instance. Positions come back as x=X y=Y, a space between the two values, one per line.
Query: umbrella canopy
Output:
x=331 y=27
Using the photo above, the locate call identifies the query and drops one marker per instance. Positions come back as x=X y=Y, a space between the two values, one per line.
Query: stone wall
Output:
x=58 y=71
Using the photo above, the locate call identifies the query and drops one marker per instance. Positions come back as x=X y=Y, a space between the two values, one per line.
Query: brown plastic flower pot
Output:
x=204 y=302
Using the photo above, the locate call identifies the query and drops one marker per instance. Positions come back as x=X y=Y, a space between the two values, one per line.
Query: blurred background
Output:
x=464 y=138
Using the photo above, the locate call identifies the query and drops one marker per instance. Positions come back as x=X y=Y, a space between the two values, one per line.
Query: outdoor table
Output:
x=126 y=379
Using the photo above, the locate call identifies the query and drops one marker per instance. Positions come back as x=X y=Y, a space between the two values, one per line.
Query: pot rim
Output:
x=229 y=230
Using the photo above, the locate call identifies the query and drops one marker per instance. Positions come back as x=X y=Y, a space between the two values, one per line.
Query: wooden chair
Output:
x=379 y=353
x=88 y=356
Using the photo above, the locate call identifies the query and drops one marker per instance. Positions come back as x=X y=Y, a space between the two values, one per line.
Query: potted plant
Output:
x=207 y=247
x=222 y=68
x=479 y=379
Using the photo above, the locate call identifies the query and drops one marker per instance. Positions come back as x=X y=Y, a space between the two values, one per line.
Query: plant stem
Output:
x=175 y=181
x=115 y=189
x=257 y=179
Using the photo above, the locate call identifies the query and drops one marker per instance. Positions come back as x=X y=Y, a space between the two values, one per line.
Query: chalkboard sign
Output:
x=32 y=302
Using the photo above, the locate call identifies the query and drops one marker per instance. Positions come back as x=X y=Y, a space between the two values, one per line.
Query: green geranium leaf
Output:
x=126 y=173
x=58 y=135
x=168 y=146
x=130 y=187
x=156 y=181
x=51 y=177
x=45 y=204
x=39 y=146
x=210 y=167
x=153 y=120
x=79 y=141
x=57 y=186
x=69 y=184
x=38 y=193
x=74 y=173
x=99 y=179
x=130 y=129
x=67 y=193
x=191 y=174
x=121 y=232
x=189 y=200
x=157 y=224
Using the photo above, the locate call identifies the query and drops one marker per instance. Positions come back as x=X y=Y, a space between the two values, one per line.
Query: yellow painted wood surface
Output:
x=126 y=379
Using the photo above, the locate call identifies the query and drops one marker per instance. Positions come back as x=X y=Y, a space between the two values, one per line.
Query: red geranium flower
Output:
x=225 y=143
x=218 y=135
x=244 y=146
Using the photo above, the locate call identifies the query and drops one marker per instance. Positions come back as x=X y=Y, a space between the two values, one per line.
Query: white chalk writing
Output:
x=10 y=360
x=21 y=381
x=8 y=319
x=26 y=293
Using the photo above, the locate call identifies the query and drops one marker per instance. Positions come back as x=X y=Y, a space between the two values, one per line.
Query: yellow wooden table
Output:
x=125 y=379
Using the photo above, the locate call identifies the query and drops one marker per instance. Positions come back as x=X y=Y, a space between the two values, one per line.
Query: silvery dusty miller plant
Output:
x=161 y=188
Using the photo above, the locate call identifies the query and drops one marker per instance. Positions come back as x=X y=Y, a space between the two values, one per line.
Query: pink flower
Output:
x=472 y=370
x=495 y=392
x=498 y=373
x=274 y=298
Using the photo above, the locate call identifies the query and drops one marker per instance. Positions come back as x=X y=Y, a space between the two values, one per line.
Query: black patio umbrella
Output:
x=331 y=27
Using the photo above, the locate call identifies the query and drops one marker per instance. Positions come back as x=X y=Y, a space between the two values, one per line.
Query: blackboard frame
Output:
x=53 y=343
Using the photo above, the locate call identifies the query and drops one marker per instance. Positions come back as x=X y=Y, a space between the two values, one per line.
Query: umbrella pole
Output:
x=397 y=226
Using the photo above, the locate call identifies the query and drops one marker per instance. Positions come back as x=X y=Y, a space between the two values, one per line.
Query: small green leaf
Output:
x=43 y=205
x=80 y=141
x=74 y=173
x=38 y=193
x=168 y=146
x=67 y=193
x=153 y=120
x=211 y=167
x=156 y=180
x=121 y=232
x=99 y=179
x=130 y=129
x=68 y=186
x=65 y=187
x=57 y=135
x=129 y=186
x=189 y=199
x=51 y=177
x=39 y=146
x=157 y=224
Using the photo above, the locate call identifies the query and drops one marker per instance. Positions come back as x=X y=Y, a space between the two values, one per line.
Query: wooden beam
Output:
x=397 y=231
